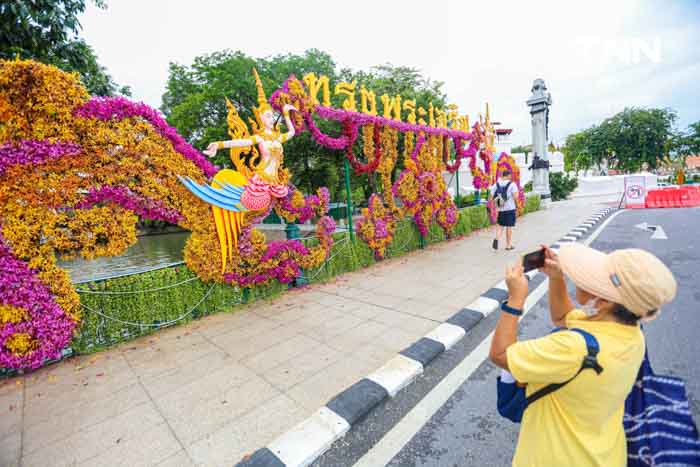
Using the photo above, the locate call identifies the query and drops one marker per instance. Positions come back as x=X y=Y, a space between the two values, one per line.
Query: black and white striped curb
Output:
x=304 y=443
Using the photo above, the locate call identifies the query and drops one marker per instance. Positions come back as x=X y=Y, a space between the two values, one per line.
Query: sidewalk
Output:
x=212 y=391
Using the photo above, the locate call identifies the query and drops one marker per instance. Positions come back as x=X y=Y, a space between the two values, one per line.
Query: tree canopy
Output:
x=194 y=104
x=625 y=141
x=47 y=31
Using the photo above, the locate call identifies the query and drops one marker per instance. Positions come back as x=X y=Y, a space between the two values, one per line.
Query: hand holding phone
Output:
x=534 y=260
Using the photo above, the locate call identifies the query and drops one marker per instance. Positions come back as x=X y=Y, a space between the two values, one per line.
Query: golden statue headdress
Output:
x=263 y=105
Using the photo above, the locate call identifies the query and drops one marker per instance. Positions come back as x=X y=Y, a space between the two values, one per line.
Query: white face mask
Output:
x=590 y=307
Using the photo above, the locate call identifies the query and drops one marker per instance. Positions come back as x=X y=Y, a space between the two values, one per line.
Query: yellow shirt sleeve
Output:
x=550 y=359
x=574 y=315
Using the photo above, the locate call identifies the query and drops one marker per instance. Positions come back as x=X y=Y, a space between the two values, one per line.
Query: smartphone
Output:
x=534 y=260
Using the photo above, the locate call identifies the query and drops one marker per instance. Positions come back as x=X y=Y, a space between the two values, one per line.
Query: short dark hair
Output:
x=623 y=315
x=506 y=173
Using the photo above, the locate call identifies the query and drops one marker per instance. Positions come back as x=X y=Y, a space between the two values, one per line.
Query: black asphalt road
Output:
x=467 y=430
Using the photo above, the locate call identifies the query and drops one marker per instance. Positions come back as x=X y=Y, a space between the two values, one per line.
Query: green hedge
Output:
x=171 y=295
x=154 y=299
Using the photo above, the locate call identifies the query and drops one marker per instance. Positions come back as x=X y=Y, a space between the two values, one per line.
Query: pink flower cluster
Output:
x=144 y=207
x=314 y=205
x=361 y=119
x=48 y=324
x=34 y=152
x=287 y=269
x=108 y=108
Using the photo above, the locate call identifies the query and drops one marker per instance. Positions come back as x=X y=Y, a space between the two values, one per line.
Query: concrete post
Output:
x=539 y=103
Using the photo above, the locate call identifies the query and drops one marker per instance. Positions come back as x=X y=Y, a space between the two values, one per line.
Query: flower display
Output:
x=377 y=226
x=420 y=186
x=75 y=176
x=33 y=327
x=76 y=173
x=32 y=152
x=122 y=196
x=119 y=108
x=297 y=207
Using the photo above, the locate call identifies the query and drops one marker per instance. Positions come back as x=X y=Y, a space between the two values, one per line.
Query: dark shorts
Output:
x=506 y=218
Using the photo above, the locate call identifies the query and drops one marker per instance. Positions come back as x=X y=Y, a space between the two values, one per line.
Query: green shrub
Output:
x=478 y=217
x=123 y=308
x=464 y=226
x=561 y=185
x=528 y=187
x=532 y=203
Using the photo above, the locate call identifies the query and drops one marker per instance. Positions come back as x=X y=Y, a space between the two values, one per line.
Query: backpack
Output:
x=511 y=399
x=501 y=195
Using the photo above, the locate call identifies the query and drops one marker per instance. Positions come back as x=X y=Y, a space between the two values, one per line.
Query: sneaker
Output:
x=495 y=244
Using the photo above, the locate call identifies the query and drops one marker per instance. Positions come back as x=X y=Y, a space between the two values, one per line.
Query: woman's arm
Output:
x=506 y=333
x=560 y=303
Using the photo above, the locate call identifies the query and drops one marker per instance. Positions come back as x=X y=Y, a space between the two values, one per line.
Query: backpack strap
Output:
x=589 y=361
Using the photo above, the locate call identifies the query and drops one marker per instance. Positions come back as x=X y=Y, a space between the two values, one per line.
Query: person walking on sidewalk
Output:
x=580 y=423
x=503 y=193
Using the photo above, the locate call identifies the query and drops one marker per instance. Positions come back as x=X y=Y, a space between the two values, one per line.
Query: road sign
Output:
x=635 y=191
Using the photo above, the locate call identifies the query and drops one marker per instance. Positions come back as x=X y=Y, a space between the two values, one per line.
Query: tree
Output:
x=47 y=31
x=685 y=143
x=625 y=141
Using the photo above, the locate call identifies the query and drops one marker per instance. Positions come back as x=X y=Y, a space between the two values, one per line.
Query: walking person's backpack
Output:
x=501 y=195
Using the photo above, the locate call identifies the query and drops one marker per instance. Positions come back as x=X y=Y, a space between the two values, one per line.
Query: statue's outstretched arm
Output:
x=234 y=143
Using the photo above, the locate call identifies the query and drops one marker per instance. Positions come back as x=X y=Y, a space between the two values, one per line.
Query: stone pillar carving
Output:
x=539 y=103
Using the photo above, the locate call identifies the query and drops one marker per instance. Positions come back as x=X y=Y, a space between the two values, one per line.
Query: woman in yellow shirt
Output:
x=580 y=424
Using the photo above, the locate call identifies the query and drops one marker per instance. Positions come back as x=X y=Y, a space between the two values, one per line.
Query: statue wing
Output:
x=237 y=129
x=227 y=197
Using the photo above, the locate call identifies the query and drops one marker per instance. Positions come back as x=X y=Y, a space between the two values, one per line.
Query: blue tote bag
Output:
x=658 y=422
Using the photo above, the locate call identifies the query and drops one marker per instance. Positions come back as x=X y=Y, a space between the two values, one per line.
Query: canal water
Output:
x=149 y=252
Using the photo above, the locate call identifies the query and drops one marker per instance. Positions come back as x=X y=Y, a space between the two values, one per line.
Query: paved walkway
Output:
x=212 y=391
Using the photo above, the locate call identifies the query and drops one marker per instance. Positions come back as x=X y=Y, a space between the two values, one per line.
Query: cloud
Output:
x=487 y=52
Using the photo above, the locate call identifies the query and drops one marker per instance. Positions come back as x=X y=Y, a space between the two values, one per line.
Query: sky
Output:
x=596 y=57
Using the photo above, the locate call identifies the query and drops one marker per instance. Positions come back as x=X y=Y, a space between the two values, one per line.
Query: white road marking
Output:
x=305 y=442
x=391 y=444
x=484 y=305
x=659 y=234
x=447 y=334
x=396 y=374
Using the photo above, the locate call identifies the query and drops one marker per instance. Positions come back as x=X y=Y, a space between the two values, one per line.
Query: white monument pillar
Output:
x=539 y=103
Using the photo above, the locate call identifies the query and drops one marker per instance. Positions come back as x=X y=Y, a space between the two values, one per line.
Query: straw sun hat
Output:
x=633 y=278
